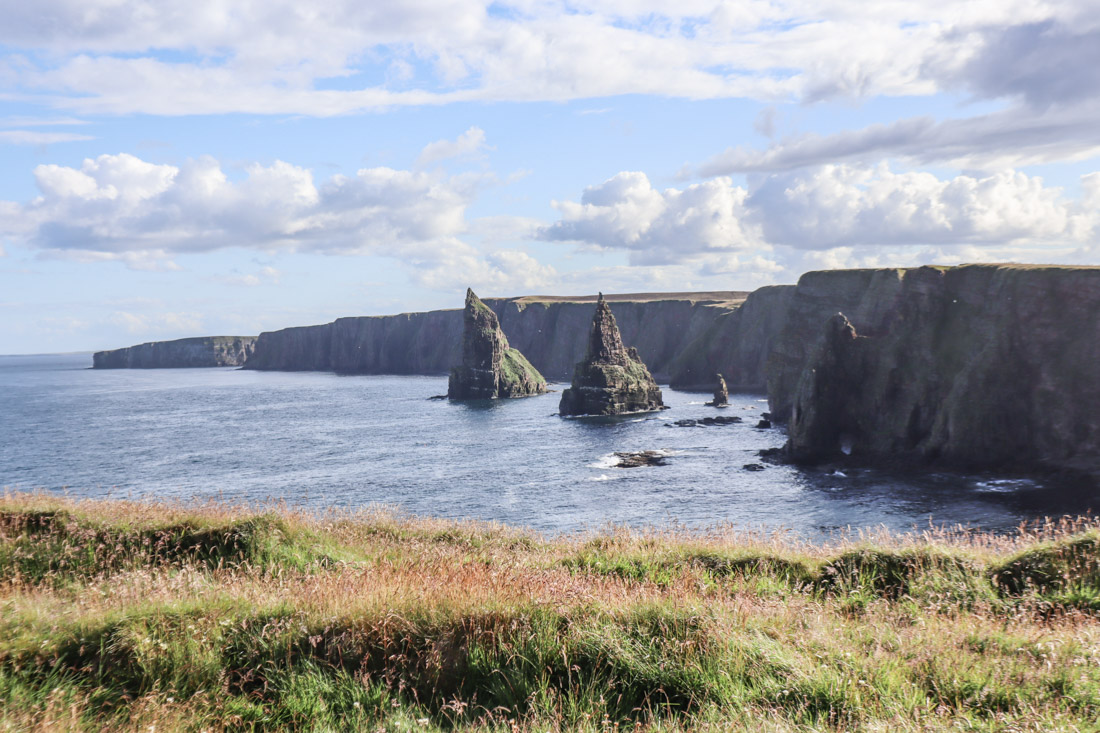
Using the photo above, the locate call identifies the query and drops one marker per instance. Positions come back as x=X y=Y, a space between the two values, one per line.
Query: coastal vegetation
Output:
x=155 y=616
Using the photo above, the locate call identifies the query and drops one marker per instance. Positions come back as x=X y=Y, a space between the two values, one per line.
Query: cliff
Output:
x=737 y=344
x=490 y=368
x=550 y=331
x=990 y=366
x=612 y=379
x=204 y=351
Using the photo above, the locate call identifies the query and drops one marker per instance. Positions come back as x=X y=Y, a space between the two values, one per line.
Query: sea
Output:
x=317 y=441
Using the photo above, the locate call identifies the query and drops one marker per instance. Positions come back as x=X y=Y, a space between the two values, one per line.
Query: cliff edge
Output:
x=204 y=351
x=550 y=331
x=984 y=366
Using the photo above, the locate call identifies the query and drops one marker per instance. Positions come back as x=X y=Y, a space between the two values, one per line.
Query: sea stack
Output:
x=721 y=394
x=490 y=368
x=612 y=380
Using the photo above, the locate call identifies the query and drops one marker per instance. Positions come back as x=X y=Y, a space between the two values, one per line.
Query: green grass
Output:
x=126 y=616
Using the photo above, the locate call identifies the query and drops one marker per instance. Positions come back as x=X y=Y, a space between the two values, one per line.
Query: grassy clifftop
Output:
x=124 y=616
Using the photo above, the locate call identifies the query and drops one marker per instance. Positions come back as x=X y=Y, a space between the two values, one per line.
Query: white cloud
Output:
x=1010 y=138
x=121 y=204
x=145 y=215
x=108 y=56
x=834 y=216
x=840 y=206
x=469 y=143
x=158 y=323
x=23 y=121
x=501 y=272
x=626 y=212
x=34 y=137
x=268 y=275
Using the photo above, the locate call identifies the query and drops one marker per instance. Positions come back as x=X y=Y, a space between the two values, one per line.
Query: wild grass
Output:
x=148 y=616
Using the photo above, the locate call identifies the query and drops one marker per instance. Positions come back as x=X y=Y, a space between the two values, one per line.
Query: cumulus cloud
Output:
x=145 y=215
x=626 y=212
x=469 y=143
x=118 y=204
x=832 y=216
x=841 y=206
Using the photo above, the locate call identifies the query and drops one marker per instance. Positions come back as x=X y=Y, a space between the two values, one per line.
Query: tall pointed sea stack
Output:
x=721 y=394
x=612 y=379
x=490 y=368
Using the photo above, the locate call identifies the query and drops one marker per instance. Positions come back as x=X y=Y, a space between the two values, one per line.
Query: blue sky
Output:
x=228 y=168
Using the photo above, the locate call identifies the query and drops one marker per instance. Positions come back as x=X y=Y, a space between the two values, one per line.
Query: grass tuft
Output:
x=134 y=616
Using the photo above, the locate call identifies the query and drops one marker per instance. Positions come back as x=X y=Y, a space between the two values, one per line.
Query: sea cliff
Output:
x=988 y=366
x=737 y=344
x=551 y=332
x=204 y=351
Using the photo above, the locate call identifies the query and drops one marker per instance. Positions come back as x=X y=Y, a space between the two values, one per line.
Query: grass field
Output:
x=155 y=617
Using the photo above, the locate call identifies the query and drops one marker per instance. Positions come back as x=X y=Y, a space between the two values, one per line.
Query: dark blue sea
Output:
x=321 y=440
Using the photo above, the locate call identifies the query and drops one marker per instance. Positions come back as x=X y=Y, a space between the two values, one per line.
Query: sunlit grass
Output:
x=132 y=616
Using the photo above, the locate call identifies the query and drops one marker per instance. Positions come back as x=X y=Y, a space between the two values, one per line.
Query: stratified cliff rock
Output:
x=490 y=369
x=205 y=351
x=738 y=344
x=868 y=298
x=990 y=366
x=612 y=379
x=551 y=332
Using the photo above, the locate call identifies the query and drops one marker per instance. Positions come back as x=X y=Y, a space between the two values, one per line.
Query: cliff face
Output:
x=737 y=344
x=984 y=366
x=205 y=351
x=550 y=332
x=866 y=297
x=490 y=368
x=612 y=379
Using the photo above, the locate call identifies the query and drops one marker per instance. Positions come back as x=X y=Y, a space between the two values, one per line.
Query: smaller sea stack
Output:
x=490 y=368
x=721 y=394
x=612 y=379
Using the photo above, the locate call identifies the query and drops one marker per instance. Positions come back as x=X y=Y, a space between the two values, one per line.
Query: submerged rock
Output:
x=490 y=368
x=703 y=422
x=612 y=379
x=721 y=394
x=641 y=458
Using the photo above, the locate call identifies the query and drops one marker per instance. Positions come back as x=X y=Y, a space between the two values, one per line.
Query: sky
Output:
x=224 y=168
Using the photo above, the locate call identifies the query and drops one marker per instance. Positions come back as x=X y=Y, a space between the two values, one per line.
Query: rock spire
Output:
x=490 y=368
x=721 y=394
x=612 y=379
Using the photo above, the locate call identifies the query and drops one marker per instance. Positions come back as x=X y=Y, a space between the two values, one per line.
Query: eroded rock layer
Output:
x=612 y=379
x=490 y=369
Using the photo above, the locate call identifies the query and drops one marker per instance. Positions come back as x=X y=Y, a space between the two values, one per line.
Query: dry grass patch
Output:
x=124 y=615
